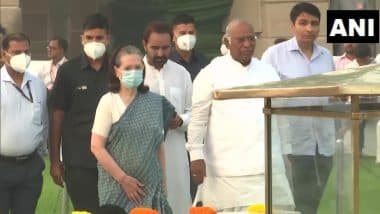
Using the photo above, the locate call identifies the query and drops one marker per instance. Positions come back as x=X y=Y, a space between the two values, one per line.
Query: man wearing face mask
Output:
x=184 y=39
x=173 y=81
x=24 y=128
x=79 y=85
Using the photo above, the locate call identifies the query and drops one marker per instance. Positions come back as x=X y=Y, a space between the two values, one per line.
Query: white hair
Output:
x=233 y=23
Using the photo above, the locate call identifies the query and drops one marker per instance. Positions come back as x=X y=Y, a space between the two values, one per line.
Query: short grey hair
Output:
x=232 y=24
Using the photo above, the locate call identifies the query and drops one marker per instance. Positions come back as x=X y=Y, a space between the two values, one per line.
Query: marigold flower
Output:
x=202 y=210
x=80 y=212
x=143 y=211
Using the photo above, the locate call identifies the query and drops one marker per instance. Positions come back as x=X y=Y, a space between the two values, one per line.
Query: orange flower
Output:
x=143 y=211
x=202 y=210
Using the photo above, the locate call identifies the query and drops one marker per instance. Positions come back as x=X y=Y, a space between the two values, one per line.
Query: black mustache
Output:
x=160 y=60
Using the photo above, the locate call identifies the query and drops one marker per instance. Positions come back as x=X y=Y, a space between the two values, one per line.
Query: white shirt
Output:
x=49 y=74
x=377 y=59
x=24 y=124
x=232 y=130
x=173 y=82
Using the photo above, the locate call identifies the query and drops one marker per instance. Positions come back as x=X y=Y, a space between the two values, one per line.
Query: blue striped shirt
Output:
x=300 y=135
x=24 y=124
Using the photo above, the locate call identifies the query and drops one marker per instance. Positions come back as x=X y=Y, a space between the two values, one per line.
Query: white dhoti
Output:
x=230 y=192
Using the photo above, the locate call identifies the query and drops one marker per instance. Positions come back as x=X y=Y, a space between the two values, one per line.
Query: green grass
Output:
x=369 y=181
x=50 y=201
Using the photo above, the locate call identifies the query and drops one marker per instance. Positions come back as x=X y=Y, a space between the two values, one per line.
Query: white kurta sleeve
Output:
x=103 y=117
x=202 y=99
x=187 y=110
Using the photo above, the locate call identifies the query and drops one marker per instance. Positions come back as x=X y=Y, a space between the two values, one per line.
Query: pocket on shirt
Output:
x=176 y=98
x=37 y=112
x=81 y=99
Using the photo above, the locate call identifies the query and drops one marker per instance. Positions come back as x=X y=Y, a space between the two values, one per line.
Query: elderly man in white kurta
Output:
x=173 y=81
x=231 y=162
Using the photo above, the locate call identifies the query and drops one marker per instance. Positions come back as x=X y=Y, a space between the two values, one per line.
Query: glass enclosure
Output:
x=329 y=169
x=312 y=158
x=321 y=141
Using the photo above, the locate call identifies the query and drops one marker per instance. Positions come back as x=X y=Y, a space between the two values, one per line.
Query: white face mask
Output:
x=223 y=49
x=186 y=42
x=94 y=50
x=20 y=62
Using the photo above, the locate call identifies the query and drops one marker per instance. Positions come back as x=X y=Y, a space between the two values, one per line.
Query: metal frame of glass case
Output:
x=363 y=81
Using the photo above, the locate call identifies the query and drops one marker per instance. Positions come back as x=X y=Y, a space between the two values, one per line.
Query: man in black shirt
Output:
x=80 y=84
x=184 y=39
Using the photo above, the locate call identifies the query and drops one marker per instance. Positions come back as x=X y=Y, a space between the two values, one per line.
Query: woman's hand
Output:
x=132 y=188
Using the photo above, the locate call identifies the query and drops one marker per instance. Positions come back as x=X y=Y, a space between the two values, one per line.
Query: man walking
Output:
x=308 y=143
x=80 y=83
x=24 y=128
x=171 y=80
x=226 y=137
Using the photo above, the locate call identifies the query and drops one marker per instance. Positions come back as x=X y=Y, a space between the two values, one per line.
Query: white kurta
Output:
x=233 y=134
x=173 y=81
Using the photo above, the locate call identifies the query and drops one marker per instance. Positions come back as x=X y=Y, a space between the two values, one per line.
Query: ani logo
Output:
x=352 y=26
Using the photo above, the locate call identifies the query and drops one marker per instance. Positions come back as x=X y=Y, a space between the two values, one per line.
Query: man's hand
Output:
x=56 y=172
x=56 y=167
x=176 y=122
x=198 y=171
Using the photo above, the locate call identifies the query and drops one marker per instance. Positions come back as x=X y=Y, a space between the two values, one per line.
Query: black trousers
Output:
x=20 y=185
x=310 y=175
x=82 y=186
